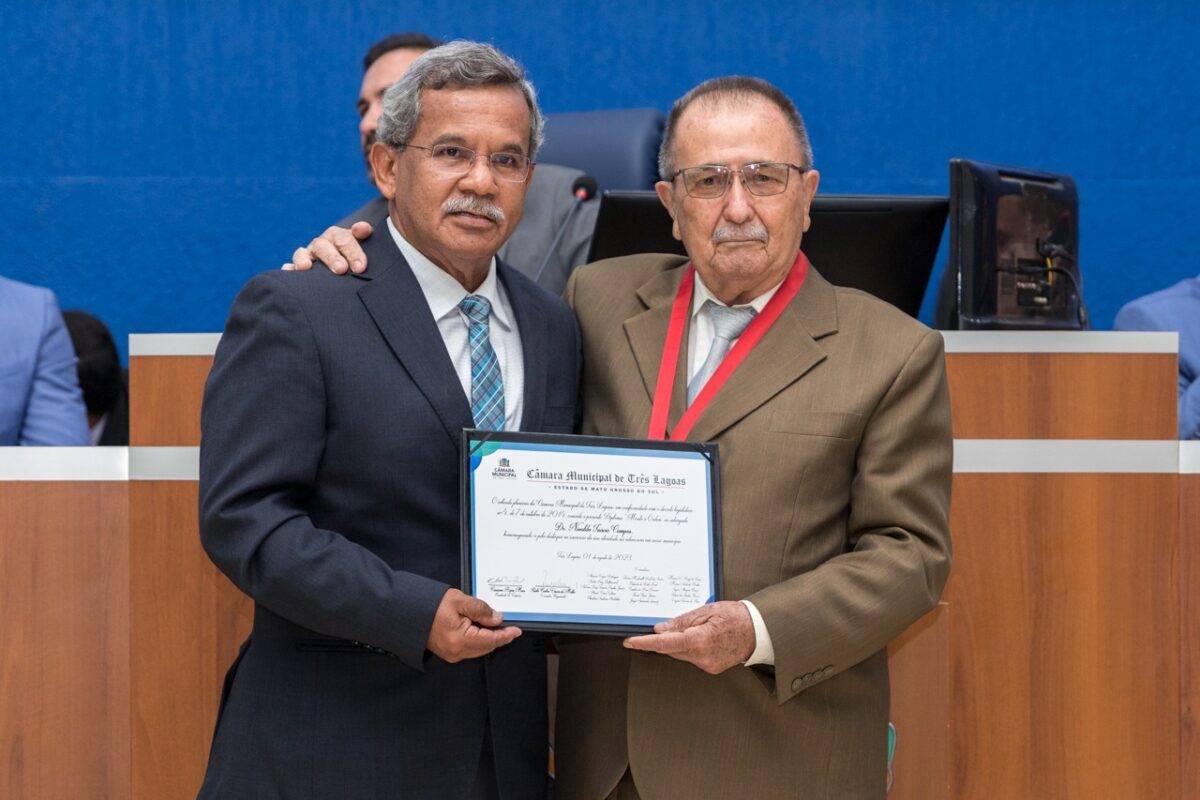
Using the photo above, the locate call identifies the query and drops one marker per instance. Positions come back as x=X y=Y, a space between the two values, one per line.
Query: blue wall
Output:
x=157 y=154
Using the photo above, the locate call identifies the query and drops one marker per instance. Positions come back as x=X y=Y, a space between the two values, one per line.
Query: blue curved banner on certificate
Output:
x=584 y=533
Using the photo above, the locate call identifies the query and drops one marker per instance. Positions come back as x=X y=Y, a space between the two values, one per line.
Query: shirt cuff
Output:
x=764 y=651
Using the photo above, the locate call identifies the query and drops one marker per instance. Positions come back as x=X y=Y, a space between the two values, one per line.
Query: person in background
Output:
x=549 y=202
x=40 y=400
x=105 y=384
x=1176 y=308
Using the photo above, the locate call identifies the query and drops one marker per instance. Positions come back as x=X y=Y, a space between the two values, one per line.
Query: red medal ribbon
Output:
x=757 y=328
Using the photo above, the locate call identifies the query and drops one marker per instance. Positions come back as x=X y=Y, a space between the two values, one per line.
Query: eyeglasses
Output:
x=710 y=181
x=454 y=161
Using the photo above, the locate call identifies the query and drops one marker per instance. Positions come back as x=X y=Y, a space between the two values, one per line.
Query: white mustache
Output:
x=473 y=205
x=728 y=232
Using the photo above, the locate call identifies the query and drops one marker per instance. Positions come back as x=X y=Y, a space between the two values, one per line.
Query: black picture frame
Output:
x=473 y=440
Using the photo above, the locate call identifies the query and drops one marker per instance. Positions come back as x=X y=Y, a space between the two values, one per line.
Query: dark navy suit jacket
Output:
x=329 y=493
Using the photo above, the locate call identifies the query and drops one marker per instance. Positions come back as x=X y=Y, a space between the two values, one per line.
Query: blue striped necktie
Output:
x=487 y=384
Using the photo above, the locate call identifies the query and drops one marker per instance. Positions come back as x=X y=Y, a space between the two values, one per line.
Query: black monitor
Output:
x=882 y=245
x=1014 y=244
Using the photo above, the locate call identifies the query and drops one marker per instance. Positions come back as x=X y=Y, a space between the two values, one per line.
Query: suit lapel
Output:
x=535 y=338
x=647 y=332
x=395 y=302
x=783 y=356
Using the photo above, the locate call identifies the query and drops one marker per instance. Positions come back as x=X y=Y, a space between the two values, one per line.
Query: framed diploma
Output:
x=589 y=534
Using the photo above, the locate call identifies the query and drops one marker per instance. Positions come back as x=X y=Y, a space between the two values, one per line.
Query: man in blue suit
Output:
x=40 y=401
x=1176 y=308
x=329 y=470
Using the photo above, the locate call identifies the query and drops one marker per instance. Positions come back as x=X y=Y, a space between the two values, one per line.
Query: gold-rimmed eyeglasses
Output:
x=762 y=178
x=454 y=161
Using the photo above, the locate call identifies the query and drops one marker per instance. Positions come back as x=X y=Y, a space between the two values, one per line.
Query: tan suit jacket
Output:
x=835 y=451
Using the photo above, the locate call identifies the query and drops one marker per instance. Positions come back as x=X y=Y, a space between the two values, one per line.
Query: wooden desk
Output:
x=1189 y=617
x=1053 y=667
x=186 y=619
x=1063 y=661
x=64 y=622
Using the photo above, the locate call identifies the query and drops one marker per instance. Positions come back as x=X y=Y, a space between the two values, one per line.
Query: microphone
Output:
x=584 y=188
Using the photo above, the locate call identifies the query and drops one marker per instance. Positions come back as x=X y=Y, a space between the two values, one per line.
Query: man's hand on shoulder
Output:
x=714 y=637
x=464 y=627
x=336 y=248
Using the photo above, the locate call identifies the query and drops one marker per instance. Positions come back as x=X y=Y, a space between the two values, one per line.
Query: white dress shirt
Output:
x=443 y=294
x=700 y=339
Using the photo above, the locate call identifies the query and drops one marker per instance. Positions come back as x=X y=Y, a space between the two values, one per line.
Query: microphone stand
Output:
x=584 y=189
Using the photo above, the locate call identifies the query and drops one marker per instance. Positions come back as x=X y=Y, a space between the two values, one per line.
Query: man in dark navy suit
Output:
x=329 y=470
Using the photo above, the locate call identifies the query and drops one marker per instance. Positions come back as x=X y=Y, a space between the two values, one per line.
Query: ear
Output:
x=666 y=196
x=808 y=190
x=383 y=160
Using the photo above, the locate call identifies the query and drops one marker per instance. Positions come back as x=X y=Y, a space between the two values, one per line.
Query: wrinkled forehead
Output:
x=473 y=104
x=494 y=116
x=718 y=124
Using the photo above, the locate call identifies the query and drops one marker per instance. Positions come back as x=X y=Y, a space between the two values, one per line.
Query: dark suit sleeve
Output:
x=576 y=241
x=263 y=431
x=372 y=211
x=827 y=620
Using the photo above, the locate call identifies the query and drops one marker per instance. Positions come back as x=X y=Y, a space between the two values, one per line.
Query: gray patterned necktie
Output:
x=487 y=384
x=728 y=324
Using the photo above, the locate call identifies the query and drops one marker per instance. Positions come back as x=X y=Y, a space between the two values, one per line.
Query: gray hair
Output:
x=731 y=89
x=458 y=64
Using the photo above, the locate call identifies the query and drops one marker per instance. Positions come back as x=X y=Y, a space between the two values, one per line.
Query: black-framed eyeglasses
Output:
x=762 y=178
x=454 y=161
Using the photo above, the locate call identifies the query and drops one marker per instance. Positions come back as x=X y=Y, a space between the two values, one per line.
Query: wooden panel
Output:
x=187 y=623
x=1066 y=636
x=1059 y=673
x=1189 y=635
x=164 y=399
x=1063 y=395
x=919 y=664
x=64 y=645
x=1004 y=396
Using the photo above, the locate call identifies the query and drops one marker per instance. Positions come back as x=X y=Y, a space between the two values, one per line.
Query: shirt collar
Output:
x=701 y=293
x=442 y=292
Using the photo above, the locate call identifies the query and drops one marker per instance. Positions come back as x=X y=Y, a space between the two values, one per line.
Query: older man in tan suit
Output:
x=835 y=442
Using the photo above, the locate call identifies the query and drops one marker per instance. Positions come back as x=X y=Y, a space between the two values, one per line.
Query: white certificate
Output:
x=592 y=534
